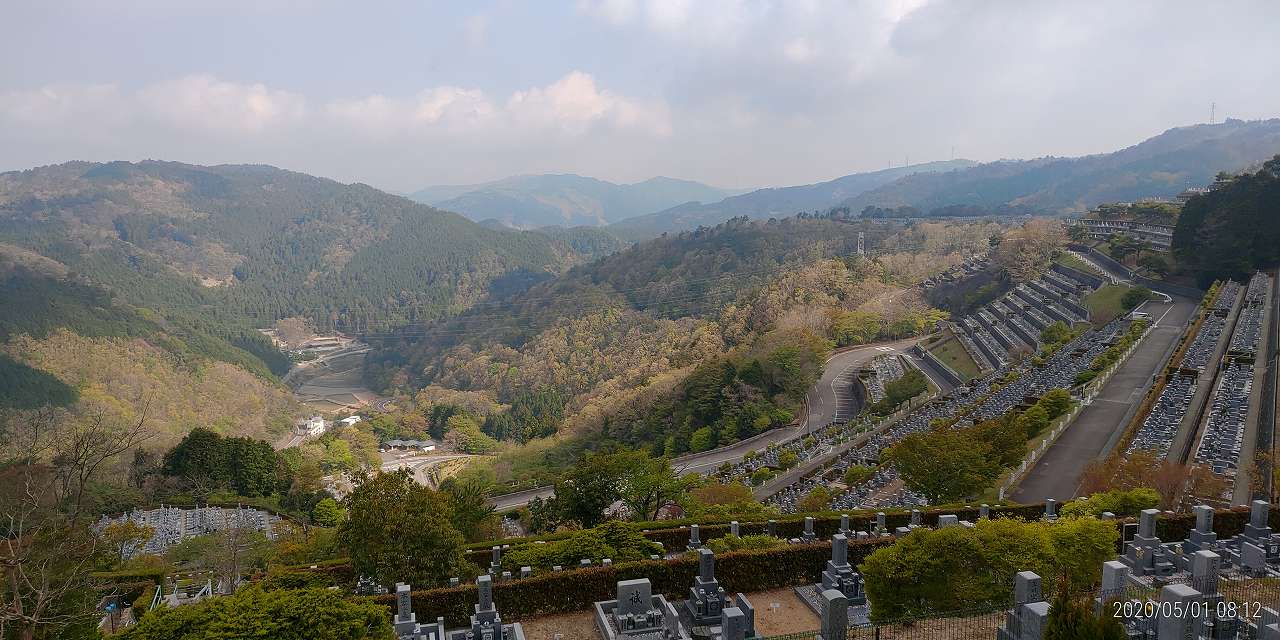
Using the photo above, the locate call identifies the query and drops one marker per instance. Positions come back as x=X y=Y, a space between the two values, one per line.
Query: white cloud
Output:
x=205 y=119
x=203 y=102
x=574 y=103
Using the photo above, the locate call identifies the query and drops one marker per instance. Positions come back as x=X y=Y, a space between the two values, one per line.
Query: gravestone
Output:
x=984 y=511
x=495 y=565
x=844 y=523
x=406 y=620
x=748 y=613
x=880 y=528
x=839 y=574
x=1202 y=537
x=1107 y=515
x=733 y=528
x=834 y=608
x=453 y=582
x=1205 y=568
x=694 y=542
x=1032 y=619
x=1145 y=554
x=1025 y=620
x=1259 y=516
x=733 y=624
x=607 y=562
x=808 y=535
x=1172 y=620
x=1253 y=559
x=915 y=517
x=1115 y=578
x=706 y=597
x=772 y=528
x=1050 y=509
x=1026 y=587
x=525 y=572
x=636 y=613
x=948 y=520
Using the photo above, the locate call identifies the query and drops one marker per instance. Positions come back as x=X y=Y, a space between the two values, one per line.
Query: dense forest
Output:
x=271 y=243
x=1234 y=228
x=679 y=344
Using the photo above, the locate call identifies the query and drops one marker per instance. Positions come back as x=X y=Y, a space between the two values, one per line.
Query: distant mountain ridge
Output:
x=530 y=201
x=772 y=202
x=1161 y=166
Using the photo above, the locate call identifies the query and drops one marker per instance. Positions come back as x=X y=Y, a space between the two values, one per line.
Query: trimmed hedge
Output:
x=574 y=590
x=143 y=601
x=828 y=523
x=155 y=576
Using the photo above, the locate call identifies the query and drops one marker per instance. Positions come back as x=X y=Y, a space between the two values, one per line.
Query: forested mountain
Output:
x=1161 y=166
x=526 y=202
x=676 y=344
x=766 y=203
x=1233 y=229
x=138 y=289
x=268 y=243
x=66 y=342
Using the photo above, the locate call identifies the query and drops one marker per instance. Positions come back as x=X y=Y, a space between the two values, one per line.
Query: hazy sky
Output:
x=734 y=93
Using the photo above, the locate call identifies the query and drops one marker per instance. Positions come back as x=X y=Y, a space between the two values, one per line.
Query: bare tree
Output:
x=86 y=445
x=47 y=548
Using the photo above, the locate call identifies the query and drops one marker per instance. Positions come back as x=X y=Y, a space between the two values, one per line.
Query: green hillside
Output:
x=1161 y=166
x=1233 y=229
x=265 y=243
x=774 y=202
x=565 y=199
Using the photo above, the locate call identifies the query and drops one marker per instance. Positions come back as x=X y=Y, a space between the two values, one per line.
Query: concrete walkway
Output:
x=1095 y=431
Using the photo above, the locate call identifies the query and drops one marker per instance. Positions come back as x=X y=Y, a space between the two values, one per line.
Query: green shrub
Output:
x=618 y=541
x=310 y=614
x=1120 y=502
x=725 y=544
x=143 y=601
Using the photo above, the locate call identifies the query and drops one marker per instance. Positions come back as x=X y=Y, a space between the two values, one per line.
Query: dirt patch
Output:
x=570 y=626
x=791 y=616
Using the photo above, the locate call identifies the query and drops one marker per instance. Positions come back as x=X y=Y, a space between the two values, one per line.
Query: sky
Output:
x=734 y=93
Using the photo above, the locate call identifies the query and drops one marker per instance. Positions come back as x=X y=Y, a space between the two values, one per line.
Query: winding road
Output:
x=831 y=398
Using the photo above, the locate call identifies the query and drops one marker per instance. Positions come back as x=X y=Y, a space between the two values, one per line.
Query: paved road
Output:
x=519 y=499
x=830 y=397
x=1057 y=474
x=420 y=465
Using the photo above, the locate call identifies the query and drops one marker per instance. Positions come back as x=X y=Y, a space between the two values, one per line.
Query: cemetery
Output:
x=987 y=398
x=172 y=525
x=1210 y=395
x=1205 y=565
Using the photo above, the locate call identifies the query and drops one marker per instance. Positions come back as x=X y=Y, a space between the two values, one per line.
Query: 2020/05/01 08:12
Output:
x=1154 y=609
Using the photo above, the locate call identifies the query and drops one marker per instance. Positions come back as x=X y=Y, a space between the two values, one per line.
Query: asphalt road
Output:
x=1057 y=474
x=829 y=398
x=832 y=397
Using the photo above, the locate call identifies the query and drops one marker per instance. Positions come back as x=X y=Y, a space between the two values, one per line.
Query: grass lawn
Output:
x=1104 y=304
x=1070 y=260
x=951 y=352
